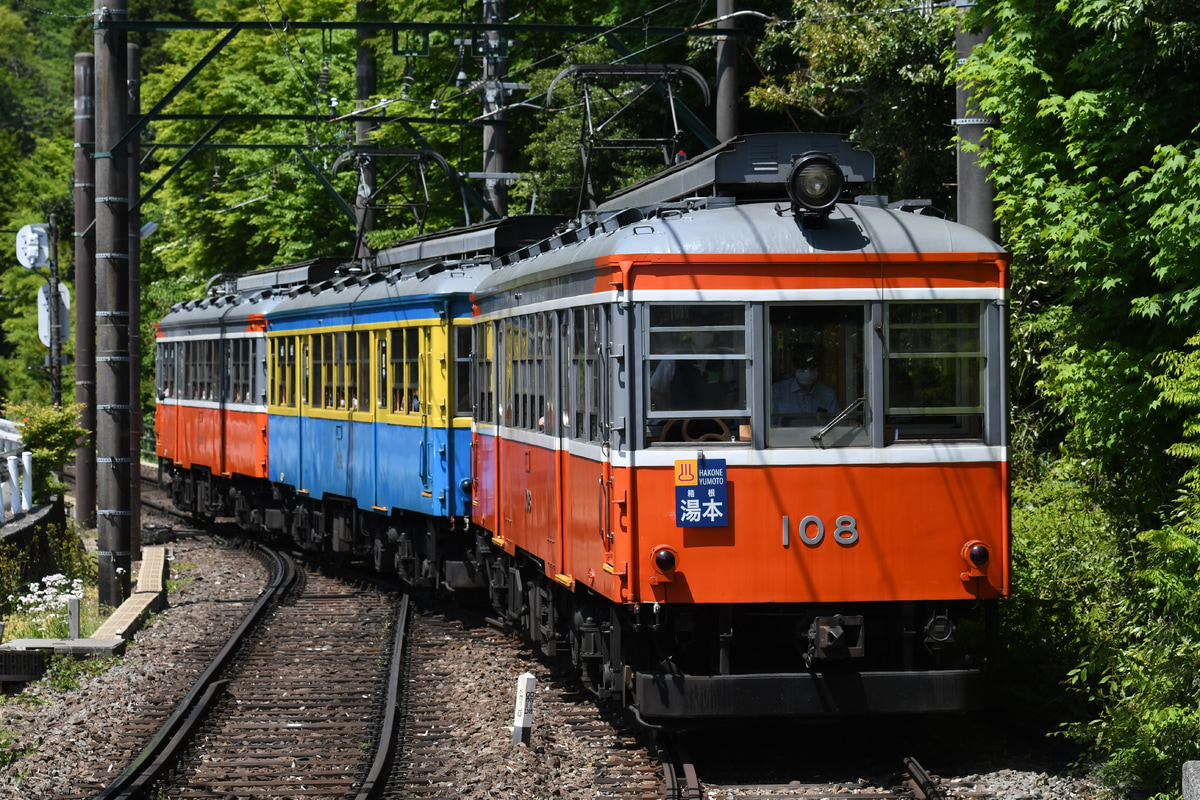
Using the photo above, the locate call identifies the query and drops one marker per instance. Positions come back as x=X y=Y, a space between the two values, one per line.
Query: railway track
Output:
x=289 y=706
x=762 y=776
x=298 y=713
x=453 y=747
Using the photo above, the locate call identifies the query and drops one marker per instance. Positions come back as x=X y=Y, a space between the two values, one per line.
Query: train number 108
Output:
x=812 y=530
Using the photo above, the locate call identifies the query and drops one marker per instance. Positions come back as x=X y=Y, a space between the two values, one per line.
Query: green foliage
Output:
x=1069 y=559
x=1093 y=186
x=15 y=564
x=68 y=555
x=864 y=69
x=52 y=435
x=1113 y=617
x=12 y=748
x=1097 y=170
x=64 y=554
x=66 y=673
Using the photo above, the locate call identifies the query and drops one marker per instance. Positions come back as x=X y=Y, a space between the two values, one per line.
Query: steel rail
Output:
x=140 y=775
x=385 y=753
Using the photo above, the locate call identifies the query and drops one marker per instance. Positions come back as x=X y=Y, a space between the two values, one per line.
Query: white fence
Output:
x=16 y=493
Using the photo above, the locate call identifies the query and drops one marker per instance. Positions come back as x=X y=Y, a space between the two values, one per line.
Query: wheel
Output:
x=720 y=435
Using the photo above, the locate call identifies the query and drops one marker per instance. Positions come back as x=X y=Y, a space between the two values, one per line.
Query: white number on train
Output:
x=812 y=530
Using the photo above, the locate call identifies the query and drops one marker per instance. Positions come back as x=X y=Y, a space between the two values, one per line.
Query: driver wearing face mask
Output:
x=802 y=392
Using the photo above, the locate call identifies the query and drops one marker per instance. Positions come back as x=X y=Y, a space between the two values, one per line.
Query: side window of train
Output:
x=583 y=334
x=933 y=371
x=316 y=366
x=165 y=370
x=696 y=373
x=483 y=337
x=405 y=389
x=283 y=376
x=305 y=369
x=358 y=370
x=412 y=370
x=290 y=372
x=817 y=368
x=461 y=388
x=228 y=371
x=381 y=369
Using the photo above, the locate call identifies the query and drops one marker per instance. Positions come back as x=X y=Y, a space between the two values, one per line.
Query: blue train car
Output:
x=368 y=412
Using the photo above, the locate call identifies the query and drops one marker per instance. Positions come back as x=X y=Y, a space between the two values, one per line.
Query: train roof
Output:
x=733 y=200
x=355 y=294
x=228 y=309
x=721 y=226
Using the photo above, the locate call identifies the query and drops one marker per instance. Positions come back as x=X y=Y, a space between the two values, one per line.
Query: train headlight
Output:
x=665 y=560
x=976 y=554
x=814 y=183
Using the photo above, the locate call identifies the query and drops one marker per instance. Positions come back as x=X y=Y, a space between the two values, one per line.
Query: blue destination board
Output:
x=700 y=495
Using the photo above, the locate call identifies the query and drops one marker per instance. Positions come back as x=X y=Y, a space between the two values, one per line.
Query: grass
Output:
x=10 y=751
x=66 y=673
x=39 y=617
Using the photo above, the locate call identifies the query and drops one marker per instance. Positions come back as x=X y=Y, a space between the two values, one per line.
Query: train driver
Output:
x=802 y=392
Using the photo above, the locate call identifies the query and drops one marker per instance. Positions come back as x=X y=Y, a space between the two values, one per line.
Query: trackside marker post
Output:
x=523 y=721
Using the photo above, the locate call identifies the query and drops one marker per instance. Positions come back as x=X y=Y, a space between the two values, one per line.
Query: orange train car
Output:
x=211 y=382
x=739 y=441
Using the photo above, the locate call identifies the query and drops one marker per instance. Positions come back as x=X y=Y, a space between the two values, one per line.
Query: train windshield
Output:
x=817 y=395
x=697 y=373
x=934 y=370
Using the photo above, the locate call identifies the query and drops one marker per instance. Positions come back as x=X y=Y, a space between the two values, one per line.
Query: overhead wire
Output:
x=537 y=63
x=287 y=54
x=32 y=7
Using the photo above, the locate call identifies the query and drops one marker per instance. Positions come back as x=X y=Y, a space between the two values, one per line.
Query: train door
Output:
x=586 y=470
x=338 y=481
x=225 y=387
x=286 y=443
x=421 y=346
x=484 y=464
x=379 y=417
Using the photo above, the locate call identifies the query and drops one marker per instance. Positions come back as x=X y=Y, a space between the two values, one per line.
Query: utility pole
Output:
x=85 y=288
x=364 y=84
x=976 y=193
x=727 y=74
x=495 y=96
x=133 y=55
x=113 y=461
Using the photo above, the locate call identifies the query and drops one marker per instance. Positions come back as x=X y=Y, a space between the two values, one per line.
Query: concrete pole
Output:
x=495 y=126
x=113 y=462
x=976 y=194
x=727 y=75
x=365 y=82
x=133 y=54
x=85 y=288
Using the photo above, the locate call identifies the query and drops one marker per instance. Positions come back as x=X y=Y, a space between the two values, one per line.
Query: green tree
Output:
x=1094 y=161
x=874 y=71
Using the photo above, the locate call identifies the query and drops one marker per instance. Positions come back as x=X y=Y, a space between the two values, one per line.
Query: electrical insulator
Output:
x=323 y=81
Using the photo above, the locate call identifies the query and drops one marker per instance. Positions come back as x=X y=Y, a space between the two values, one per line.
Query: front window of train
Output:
x=934 y=371
x=697 y=373
x=816 y=357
